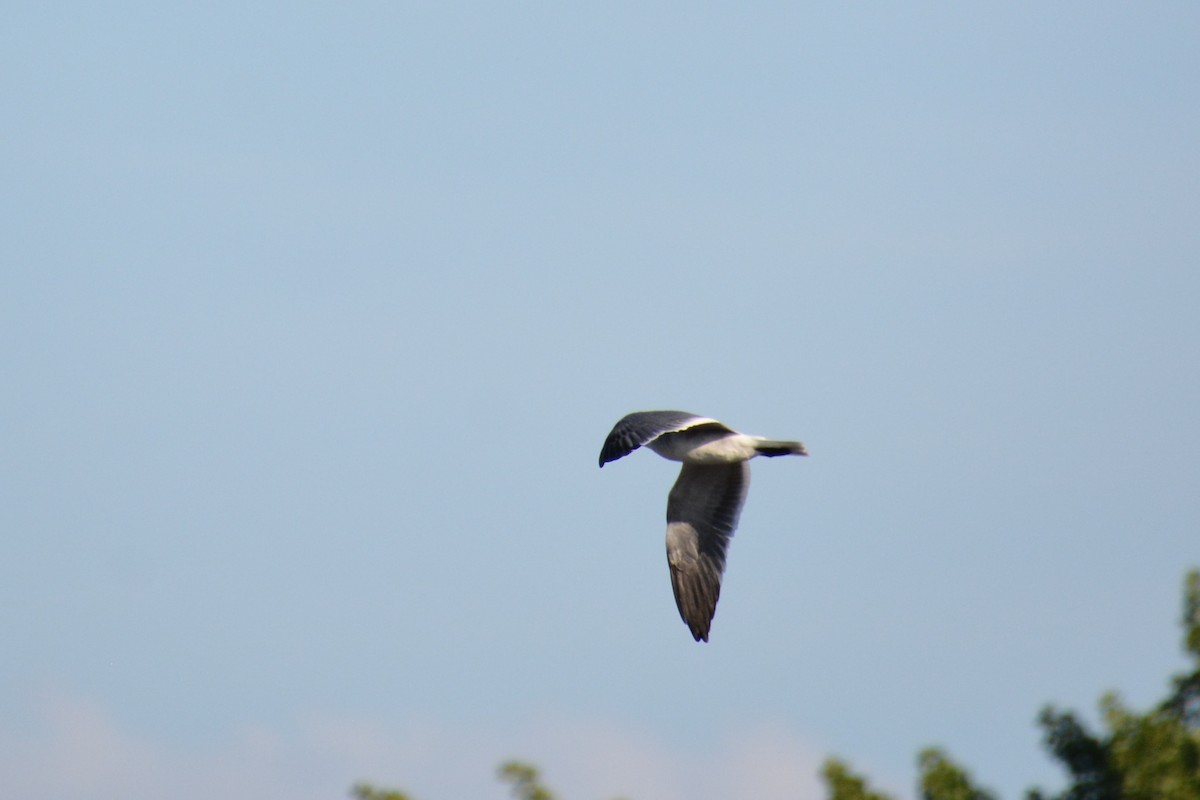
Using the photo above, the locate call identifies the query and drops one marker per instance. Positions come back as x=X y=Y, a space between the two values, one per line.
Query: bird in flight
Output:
x=706 y=500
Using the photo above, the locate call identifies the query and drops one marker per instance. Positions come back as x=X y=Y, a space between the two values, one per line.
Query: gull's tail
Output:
x=776 y=447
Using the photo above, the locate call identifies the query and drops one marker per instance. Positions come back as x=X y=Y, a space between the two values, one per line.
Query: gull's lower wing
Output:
x=702 y=513
x=642 y=427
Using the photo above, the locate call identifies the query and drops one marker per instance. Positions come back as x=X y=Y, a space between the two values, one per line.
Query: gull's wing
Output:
x=642 y=427
x=702 y=513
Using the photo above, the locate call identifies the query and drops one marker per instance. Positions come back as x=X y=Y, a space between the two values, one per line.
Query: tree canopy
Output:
x=1153 y=755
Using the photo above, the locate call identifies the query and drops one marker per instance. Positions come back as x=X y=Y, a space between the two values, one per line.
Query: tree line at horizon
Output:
x=1153 y=755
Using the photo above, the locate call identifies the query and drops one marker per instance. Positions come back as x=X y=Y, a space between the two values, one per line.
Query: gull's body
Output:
x=706 y=500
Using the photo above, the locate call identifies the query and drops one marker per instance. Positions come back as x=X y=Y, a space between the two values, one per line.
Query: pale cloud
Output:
x=772 y=762
x=587 y=760
x=75 y=748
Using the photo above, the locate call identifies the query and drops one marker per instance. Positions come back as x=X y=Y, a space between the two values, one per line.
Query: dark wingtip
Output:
x=613 y=449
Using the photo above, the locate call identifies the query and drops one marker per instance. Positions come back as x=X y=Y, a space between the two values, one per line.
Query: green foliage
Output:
x=1191 y=614
x=525 y=780
x=942 y=779
x=1184 y=702
x=1086 y=758
x=843 y=784
x=365 y=791
x=1155 y=754
x=1150 y=756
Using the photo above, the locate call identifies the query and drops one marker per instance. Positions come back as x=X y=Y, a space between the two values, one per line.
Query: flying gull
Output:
x=704 y=504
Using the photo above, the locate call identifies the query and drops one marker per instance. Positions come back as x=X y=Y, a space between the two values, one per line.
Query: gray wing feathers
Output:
x=702 y=513
x=641 y=427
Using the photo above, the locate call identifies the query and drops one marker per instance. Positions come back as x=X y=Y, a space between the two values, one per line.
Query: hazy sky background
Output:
x=313 y=320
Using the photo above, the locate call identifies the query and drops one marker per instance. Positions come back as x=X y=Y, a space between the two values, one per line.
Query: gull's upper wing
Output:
x=702 y=513
x=642 y=427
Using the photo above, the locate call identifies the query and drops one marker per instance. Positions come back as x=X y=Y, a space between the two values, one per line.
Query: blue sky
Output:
x=313 y=321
